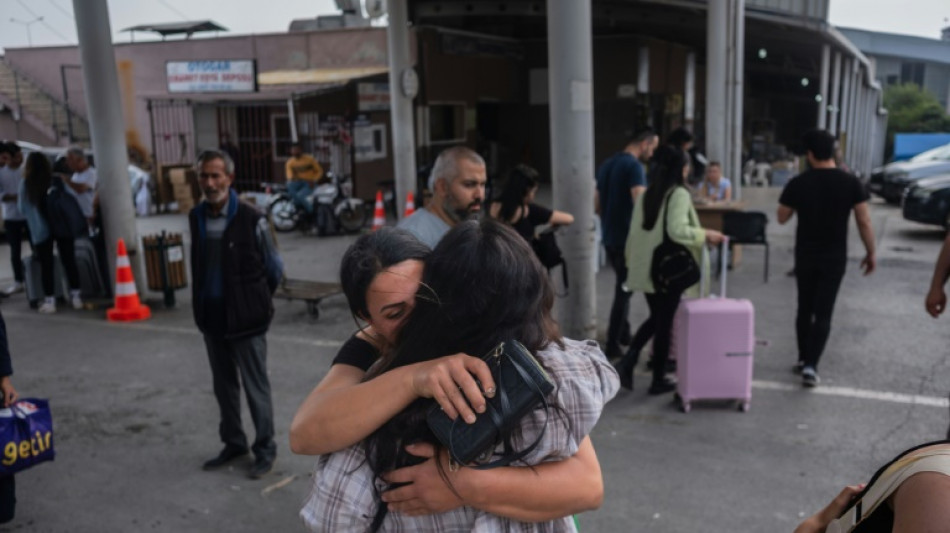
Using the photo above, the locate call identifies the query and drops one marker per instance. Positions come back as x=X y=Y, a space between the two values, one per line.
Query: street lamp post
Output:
x=27 y=23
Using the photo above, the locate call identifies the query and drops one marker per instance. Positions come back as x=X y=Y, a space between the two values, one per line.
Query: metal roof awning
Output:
x=318 y=76
x=266 y=94
x=178 y=28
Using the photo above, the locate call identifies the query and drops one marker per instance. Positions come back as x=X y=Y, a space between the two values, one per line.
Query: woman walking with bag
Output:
x=663 y=251
x=46 y=227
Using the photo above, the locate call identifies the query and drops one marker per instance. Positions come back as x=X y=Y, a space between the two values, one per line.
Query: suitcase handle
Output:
x=706 y=266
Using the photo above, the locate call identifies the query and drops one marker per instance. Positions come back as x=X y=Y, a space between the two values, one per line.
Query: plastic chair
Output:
x=747 y=227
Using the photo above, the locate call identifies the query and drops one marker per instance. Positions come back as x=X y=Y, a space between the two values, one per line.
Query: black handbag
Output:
x=521 y=385
x=674 y=269
x=549 y=253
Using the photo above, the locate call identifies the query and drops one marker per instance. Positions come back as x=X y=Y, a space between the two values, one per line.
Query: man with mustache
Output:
x=457 y=183
x=235 y=269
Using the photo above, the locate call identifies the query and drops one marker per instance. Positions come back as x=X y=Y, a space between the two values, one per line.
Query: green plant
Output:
x=911 y=109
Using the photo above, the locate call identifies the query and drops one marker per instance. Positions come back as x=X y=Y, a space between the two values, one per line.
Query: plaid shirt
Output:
x=343 y=496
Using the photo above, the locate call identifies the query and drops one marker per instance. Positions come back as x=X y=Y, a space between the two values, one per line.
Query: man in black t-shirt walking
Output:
x=824 y=197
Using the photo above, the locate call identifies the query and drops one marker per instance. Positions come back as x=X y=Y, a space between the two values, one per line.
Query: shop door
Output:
x=173 y=132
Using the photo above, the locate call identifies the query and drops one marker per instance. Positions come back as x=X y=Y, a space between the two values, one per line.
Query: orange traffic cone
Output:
x=379 y=214
x=127 y=306
x=410 y=205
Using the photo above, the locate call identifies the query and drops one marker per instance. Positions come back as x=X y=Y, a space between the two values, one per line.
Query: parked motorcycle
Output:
x=335 y=209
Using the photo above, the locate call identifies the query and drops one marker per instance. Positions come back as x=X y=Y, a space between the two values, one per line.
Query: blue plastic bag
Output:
x=26 y=435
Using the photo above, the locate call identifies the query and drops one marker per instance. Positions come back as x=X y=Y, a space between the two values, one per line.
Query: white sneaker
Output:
x=810 y=377
x=48 y=307
x=13 y=289
x=75 y=299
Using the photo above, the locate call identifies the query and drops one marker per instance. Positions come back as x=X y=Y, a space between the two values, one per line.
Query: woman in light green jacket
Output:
x=666 y=198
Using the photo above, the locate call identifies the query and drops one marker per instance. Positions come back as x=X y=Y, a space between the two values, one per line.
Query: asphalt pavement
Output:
x=135 y=416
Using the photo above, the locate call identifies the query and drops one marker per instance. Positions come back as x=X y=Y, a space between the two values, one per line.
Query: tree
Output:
x=911 y=109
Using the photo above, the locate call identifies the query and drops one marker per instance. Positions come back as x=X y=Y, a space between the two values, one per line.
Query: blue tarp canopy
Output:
x=907 y=145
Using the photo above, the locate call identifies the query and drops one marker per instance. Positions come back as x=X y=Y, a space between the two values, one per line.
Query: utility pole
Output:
x=403 y=86
x=101 y=84
x=570 y=78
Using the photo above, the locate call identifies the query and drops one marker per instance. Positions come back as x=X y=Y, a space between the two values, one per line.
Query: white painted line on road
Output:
x=145 y=326
x=863 y=394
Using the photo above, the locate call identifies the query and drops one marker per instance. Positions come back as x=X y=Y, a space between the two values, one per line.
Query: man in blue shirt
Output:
x=620 y=179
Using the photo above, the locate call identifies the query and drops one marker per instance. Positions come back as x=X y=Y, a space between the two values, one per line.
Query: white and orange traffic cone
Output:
x=379 y=214
x=127 y=308
x=410 y=205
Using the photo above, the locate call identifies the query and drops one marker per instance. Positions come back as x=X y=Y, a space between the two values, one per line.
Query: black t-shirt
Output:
x=356 y=352
x=537 y=215
x=823 y=199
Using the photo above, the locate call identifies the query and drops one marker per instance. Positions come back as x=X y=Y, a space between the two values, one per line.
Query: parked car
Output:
x=890 y=181
x=928 y=201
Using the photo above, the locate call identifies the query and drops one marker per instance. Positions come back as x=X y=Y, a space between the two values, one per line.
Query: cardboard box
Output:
x=166 y=193
x=182 y=176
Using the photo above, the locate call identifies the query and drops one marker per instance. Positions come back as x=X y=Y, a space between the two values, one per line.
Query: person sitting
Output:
x=303 y=172
x=481 y=285
x=515 y=205
x=716 y=187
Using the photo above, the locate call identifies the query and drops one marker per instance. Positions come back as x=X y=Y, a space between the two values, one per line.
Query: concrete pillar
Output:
x=834 y=104
x=643 y=70
x=402 y=77
x=858 y=130
x=873 y=132
x=823 y=87
x=716 y=67
x=845 y=112
x=570 y=76
x=862 y=139
x=107 y=130
x=853 y=115
x=292 y=115
x=689 y=96
x=736 y=94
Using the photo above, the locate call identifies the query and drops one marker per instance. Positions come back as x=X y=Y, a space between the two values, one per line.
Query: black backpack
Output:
x=66 y=220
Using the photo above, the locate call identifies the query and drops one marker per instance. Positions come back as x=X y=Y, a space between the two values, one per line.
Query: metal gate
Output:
x=173 y=132
x=257 y=136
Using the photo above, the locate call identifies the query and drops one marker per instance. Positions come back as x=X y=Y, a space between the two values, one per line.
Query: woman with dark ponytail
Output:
x=515 y=205
x=666 y=203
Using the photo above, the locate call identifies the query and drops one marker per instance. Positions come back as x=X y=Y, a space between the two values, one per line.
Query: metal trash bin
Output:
x=165 y=264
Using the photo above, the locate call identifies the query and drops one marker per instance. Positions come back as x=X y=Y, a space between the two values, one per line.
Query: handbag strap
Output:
x=498 y=418
x=666 y=213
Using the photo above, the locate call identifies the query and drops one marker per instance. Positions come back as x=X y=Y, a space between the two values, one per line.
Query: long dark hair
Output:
x=481 y=285
x=666 y=173
x=371 y=254
x=521 y=179
x=38 y=174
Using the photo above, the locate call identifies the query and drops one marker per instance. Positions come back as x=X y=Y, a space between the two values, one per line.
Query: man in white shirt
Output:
x=83 y=181
x=13 y=221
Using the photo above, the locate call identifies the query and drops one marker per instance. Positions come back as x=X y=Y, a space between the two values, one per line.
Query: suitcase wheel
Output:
x=744 y=406
x=684 y=406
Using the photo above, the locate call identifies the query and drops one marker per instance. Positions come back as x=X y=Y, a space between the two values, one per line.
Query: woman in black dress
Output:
x=515 y=205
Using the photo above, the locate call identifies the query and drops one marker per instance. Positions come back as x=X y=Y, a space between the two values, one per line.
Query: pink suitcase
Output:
x=713 y=342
